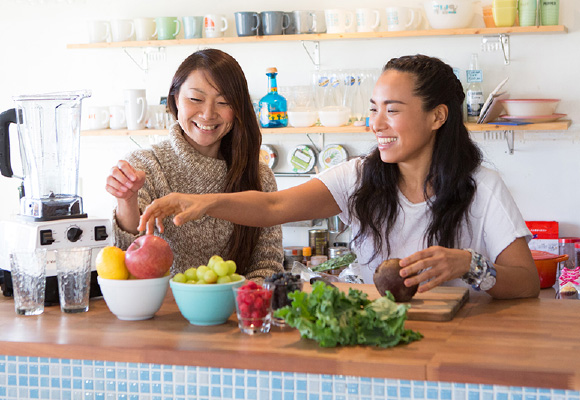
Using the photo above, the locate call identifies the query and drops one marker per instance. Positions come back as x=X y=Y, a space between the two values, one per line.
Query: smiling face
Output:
x=203 y=113
x=405 y=132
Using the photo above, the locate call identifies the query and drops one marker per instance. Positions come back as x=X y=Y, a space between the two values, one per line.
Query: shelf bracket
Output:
x=313 y=52
x=499 y=42
x=149 y=54
x=509 y=137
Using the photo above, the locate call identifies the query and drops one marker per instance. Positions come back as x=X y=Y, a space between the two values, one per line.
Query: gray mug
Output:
x=192 y=27
x=291 y=29
x=247 y=23
x=305 y=21
x=274 y=22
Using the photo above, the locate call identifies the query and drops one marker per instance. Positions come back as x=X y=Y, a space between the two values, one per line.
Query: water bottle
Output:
x=474 y=95
x=273 y=106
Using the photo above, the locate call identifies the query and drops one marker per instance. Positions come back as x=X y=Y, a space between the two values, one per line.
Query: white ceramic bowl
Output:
x=449 y=14
x=302 y=117
x=530 y=107
x=334 y=115
x=134 y=299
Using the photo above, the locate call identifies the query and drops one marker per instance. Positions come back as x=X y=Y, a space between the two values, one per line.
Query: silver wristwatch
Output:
x=481 y=274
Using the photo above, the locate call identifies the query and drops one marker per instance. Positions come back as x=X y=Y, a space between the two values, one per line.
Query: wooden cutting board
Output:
x=438 y=304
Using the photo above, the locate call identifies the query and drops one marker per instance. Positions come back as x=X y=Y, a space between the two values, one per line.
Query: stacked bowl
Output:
x=531 y=110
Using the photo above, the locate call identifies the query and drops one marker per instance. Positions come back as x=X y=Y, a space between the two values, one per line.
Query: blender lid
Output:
x=64 y=96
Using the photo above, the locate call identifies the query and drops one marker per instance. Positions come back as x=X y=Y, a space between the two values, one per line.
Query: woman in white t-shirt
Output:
x=420 y=195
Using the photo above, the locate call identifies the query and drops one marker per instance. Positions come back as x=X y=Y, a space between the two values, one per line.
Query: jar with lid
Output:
x=306 y=254
x=291 y=254
x=566 y=246
x=318 y=241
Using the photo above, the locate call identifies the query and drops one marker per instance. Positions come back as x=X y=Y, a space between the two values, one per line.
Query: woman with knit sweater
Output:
x=212 y=148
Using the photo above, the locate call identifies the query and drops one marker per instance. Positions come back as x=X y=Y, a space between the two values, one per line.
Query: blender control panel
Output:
x=74 y=232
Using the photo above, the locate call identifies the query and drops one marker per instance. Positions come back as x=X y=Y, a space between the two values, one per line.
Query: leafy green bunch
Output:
x=333 y=318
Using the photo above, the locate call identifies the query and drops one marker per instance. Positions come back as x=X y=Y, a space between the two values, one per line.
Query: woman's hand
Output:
x=124 y=181
x=185 y=207
x=433 y=266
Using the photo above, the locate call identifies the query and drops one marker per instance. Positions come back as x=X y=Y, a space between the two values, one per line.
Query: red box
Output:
x=543 y=229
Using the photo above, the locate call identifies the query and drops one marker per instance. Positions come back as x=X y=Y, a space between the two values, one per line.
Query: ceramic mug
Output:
x=192 y=27
x=401 y=18
x=305 y=21
x=99 y=31
x=338 y=20
x=367 y=19
x=247 y=23
x=167 y=27
x=145 y=29
x=291 y=28
x=97 y=117
x=135 y=108
x=210 y=22
x=274 y=22
x=122 y=30
x=117 y=119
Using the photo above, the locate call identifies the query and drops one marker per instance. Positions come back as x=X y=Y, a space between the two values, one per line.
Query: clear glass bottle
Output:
x=474 y=94
x=273 y=106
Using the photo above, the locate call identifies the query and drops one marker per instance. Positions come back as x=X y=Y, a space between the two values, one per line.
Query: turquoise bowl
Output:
x=209 y=304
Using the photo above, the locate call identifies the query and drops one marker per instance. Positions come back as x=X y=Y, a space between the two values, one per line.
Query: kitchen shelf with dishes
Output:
x=326 y=36
x=560 y=125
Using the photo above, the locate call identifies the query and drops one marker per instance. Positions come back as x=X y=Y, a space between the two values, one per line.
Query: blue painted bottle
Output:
x=273 y=106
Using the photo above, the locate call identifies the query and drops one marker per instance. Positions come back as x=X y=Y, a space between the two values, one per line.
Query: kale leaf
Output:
x=332 y=318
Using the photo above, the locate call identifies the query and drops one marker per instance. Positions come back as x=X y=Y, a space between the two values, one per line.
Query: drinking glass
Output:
x=28 y=269
x=73 y=267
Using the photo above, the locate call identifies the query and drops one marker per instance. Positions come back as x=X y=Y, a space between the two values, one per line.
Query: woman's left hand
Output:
x=433 y=266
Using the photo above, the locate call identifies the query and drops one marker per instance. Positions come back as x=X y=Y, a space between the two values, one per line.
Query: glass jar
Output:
x=291 y=254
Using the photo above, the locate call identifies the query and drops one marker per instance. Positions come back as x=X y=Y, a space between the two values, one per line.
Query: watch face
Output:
x=487 y=283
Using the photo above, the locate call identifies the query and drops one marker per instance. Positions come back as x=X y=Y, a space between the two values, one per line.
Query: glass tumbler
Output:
x=28 y=269
x=253 y=308
x=73 y=267
x=280 y=297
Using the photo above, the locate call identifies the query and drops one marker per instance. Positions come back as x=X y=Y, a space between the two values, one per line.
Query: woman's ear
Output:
x=440 y=116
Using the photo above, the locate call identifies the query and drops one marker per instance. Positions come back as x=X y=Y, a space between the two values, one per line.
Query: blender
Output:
x=51 y=211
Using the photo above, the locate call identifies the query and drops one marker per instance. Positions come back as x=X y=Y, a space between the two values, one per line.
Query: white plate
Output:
x=302 y=158
x=268 y=155
x=533 y=119
x=332 y=154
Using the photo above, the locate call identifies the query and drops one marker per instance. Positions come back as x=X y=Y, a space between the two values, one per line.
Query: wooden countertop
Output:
x=531 y=342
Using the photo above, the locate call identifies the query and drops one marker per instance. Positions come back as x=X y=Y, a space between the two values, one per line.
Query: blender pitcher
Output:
x=49 y=137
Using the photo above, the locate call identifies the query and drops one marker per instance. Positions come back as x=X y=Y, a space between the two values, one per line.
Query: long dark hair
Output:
x=240 y=147
x=455 y=158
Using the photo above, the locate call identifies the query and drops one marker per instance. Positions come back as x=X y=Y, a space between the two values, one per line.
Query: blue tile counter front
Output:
x=66 y=379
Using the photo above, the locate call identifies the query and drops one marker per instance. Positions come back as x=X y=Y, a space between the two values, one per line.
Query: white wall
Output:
x=541 y=175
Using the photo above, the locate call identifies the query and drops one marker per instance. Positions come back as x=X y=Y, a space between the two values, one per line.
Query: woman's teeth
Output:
x=383 y=140
x=205 y=127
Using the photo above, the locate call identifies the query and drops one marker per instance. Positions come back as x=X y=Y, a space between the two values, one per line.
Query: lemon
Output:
x=111 y=263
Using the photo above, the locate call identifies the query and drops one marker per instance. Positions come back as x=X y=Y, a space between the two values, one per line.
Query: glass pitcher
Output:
x=49 y=138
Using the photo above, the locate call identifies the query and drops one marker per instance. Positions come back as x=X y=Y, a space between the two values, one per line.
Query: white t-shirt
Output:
x=494 y=218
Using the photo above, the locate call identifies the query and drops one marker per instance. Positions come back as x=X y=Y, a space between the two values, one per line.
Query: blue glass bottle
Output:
x=273 y=106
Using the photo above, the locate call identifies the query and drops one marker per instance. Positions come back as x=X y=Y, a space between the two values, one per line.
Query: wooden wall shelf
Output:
x=324 y=36
x=548 y=126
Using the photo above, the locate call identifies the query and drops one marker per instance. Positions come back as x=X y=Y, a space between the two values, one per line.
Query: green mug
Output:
x=167 y=27
x=549 y=12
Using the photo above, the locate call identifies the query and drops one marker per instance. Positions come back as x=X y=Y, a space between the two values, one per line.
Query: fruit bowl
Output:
x=209 y=304
x=134 y=299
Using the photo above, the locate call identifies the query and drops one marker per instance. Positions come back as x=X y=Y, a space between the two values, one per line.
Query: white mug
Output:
x=122 y=30
x=367 y=19
x=338 y=20
x=117 y=119
x=210 y=25
x=135 y=109
x=99 y=31
x=402 y=18
x=97 y=117
x=145 y=29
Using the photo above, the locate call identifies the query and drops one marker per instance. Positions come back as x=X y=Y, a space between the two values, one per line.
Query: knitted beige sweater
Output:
x=175 y=166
